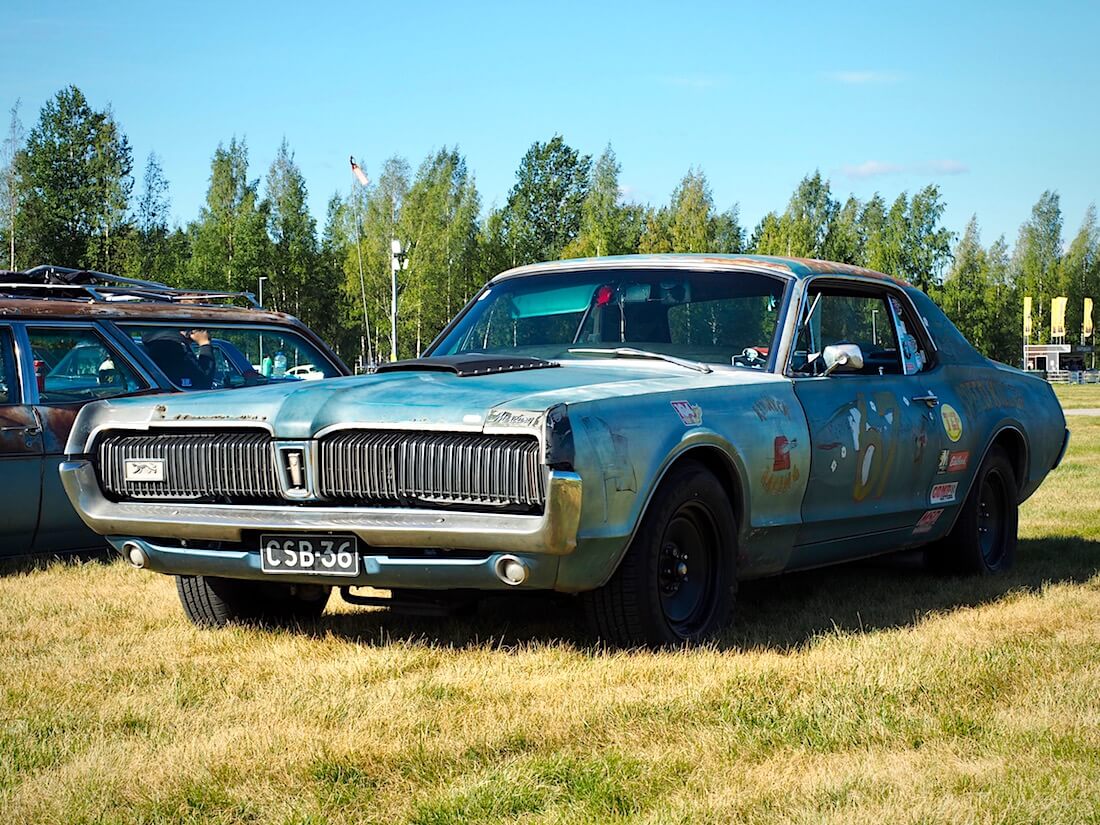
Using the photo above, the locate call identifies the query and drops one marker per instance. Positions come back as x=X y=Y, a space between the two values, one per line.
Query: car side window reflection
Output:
x=9 y=382
x=73 y=364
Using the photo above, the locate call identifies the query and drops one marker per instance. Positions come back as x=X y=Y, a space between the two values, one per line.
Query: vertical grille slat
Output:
x=410 y=468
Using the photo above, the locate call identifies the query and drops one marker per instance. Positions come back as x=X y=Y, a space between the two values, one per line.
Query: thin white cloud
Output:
x=878 y=168
x=862 y=77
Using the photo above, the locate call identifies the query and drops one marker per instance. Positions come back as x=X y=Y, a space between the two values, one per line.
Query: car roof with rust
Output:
x=12 y=307
x=798 y=268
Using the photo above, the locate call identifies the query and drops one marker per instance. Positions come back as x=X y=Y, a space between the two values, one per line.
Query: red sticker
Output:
x=957 y=462
x=943 y=493
x=927 y=521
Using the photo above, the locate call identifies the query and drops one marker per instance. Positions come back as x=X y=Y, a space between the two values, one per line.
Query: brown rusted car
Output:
x=69 y=337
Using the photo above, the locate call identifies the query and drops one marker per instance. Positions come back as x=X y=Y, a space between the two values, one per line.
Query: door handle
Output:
x=928 y=398
x=30 y=429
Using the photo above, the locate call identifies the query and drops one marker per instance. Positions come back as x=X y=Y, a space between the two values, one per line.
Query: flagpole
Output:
x=366 y=356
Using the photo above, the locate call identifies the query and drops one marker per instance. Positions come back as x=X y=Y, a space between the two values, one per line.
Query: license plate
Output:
x=322 y=555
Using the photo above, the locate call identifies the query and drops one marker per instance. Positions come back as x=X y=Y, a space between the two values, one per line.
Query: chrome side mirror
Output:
x=843 y=357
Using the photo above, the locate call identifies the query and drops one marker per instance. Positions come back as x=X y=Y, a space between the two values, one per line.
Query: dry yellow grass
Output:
x=868 y=693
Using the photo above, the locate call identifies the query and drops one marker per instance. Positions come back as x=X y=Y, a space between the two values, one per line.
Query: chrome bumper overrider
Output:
x=554 y=532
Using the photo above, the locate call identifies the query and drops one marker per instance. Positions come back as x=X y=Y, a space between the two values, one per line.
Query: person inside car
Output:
x=171 y=350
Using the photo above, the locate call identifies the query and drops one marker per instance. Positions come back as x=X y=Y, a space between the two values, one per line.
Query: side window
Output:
x=849 y=317
x=75 y=364
x=914 y=359
x=9 y=374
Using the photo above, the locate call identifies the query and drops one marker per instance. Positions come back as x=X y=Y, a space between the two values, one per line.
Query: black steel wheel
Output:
x=677 y=581
x=983 y=540
x=215 y=602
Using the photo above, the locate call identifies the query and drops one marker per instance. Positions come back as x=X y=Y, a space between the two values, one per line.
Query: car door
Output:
x=20 y=454
x=74 y=364
x=873 y=430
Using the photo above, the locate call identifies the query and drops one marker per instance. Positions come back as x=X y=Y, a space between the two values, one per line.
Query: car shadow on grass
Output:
x=14 y=565
x=781 y=613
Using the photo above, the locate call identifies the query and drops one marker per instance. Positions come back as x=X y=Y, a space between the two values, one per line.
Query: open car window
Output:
x=237 y=355
x=840 y=316
x=726 y=318
x=74 y=364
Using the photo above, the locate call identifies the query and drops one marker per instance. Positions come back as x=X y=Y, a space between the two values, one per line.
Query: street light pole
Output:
x=261 y=337
x=398 y=260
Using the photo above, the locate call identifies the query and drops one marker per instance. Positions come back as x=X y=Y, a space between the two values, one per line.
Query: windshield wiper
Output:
x=631 y=352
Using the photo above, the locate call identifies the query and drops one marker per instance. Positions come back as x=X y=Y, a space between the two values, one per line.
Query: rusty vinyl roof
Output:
x=77 y=308
x=791 y=267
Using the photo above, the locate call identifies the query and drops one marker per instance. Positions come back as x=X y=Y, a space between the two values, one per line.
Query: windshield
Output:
x=713 y=317
x=201 y=356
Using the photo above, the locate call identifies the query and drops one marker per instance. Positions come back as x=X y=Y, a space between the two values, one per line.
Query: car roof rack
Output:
x=67 y=283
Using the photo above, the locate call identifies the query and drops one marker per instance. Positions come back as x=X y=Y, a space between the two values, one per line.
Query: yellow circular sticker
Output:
x=952 y=423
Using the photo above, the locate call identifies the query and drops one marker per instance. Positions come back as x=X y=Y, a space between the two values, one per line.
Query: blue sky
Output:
x=995 y=102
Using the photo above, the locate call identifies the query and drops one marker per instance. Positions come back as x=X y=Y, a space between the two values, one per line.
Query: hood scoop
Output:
x=469 y=364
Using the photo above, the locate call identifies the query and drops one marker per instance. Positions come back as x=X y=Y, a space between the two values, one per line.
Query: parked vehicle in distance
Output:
x=306 y=372
x=645 y=431
x=68 y=337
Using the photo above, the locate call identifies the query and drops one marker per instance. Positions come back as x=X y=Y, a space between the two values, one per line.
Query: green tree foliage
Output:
x=230 y=246
x=544 y=210
x=1079 y=273
x=966 y=287
x=293 y=234
x=802 y=231
x=75 y=185
x=1036 y=260
x=1004 y=305
x=608 y=227
x=844 y=240
x=438 y=224
x=152 y=257
x=926 y=245
x=690 y=223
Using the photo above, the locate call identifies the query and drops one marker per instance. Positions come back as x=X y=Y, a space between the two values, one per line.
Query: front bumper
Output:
x=554 y=532
x=377 y=569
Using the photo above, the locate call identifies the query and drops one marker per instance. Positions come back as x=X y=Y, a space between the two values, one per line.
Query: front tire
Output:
x=214 y=602
x=677 y=581
x=983 y=540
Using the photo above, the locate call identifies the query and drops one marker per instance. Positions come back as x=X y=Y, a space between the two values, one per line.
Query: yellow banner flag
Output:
x=1027 y=317
x=1058 y=317
x=1086 y=328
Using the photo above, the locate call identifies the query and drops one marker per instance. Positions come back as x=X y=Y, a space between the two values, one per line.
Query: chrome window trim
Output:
x=884 y=287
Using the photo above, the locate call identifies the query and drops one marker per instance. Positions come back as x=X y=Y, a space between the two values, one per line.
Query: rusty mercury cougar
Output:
x=644 y=431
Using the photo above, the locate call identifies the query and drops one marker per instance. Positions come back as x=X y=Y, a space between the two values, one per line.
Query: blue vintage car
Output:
x=644 y=431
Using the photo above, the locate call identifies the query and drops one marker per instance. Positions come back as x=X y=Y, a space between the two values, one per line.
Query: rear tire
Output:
x=216 y=602
x=983 y=540
x=677 y=581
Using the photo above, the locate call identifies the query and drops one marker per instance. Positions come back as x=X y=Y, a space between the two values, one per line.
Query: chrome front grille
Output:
x=402 y=467
x=234 y=465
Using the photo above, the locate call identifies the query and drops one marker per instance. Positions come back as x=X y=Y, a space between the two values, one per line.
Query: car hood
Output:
x=426 y=399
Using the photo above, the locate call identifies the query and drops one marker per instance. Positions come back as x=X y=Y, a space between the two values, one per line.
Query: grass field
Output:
x=1078 y=396
x=869 y=693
